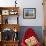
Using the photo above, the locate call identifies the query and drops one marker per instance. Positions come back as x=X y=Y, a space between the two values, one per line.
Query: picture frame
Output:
x=5 y=12
x=29 y=13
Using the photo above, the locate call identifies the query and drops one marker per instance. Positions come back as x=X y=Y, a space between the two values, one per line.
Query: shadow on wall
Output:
x=37 y=29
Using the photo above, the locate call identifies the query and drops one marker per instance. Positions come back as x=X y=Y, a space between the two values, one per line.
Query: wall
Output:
x=39 y=13
x=27 y=4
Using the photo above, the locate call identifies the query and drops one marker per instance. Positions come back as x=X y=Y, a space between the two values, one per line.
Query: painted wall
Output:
x=27 y=4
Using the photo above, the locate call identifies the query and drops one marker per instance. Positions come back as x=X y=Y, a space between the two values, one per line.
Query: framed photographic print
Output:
x=29 y=13
x=5 y=12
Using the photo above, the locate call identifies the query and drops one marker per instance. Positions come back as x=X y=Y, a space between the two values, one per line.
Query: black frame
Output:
x=31 y=17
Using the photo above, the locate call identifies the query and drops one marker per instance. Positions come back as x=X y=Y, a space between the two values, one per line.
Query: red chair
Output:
x=29 y=33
